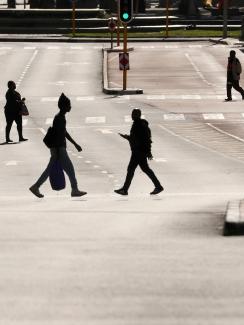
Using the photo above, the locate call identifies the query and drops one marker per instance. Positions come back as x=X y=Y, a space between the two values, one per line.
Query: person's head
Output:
x=136 y=114
x=64 y=103
x=11 y=85
x=232 y=54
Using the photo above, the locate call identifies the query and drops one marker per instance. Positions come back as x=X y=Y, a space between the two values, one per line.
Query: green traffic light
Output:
x=125 y=16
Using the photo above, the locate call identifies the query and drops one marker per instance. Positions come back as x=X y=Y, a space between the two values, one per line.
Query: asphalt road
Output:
x=105 y=259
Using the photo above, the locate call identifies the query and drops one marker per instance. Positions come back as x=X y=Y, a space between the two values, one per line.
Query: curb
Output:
x=115 y=91
x=227 y=41
x=234 y=219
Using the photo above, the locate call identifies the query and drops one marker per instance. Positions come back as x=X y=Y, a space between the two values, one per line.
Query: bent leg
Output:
x=148 y=171
x=45 y=174
x=238 y=88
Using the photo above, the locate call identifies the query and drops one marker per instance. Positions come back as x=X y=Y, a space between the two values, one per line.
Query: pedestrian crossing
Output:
x=163 y=98
x=167 y=117
x=97 y=47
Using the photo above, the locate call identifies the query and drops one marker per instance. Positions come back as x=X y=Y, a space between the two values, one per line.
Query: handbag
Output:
x=49 y=137
x=56 y=176
x=23 y=109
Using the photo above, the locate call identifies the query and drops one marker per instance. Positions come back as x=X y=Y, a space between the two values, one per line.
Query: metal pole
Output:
x=167 y=18
x=24 y=4
x=125 y=51
x=73 y=18
x=225 y=19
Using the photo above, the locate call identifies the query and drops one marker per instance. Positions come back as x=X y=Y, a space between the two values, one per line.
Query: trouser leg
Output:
x=9 y=122
x=238 y=88
x=18 y=121
x=130 y=172
x=228 y=89
x=148 y=171
x=68 y=167
x=46 y=172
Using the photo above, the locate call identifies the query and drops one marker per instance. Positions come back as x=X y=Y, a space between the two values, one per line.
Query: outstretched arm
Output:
x=68 y=137
x=125 y=136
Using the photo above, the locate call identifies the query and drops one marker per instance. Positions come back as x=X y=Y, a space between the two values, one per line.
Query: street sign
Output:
x=125 y=10
x=112 y=24
x=124 y=61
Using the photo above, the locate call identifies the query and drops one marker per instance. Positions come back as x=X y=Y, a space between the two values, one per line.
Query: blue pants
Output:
x=62 y=155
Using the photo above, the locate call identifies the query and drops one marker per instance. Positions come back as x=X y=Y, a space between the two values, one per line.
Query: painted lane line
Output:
x=79 y=157
x=42 y=131
x=156 y=97
x=27 y=67
x=96 y=166
x=191 y=97
x=4 y=48
x=226 y=133
x=76 y=47
x=29 y=48
x=197 y=70
x=213 y=116
x=49 y=99
x=174 y=117
x=11 y=163
x=104 y=131
x=95 y=119
x=160 y=160
x=53 y=47
x=85 y=98
x=104 y=172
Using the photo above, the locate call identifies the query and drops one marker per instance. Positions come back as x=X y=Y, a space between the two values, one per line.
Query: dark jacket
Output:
x=140 y=138
x=59 y=130
x=13 y=105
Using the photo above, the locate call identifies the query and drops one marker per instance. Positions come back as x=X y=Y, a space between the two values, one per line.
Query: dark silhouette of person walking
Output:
x=234 y=70
x=12 y=111
x=58 y=150
x=140 y=143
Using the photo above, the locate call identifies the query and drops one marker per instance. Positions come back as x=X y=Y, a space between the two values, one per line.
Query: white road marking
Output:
x=95 y=119
x=171 y=46
x=224 y=132
x=174 y=117
x=4 y=48
x=49 y=99
x=213 y=116
x=29 y=48
x=104 y=172
x=26 y=68
x=49 y=121
x=88 y=162
x=159 y=160
x=85 y=98
x=96 y=166
x=53 y=47
x=105 y=131
x=42 y=131
x=76 y=47
x=191 y=97
x=11 y=163
x=156 y=97
x=197 y=69
x=24 y=122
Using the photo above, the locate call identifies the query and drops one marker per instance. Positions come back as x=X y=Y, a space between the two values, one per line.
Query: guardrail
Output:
x=13 y=3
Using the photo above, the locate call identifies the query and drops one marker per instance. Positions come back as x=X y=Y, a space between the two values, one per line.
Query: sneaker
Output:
x=35 y=191
x=157 y=190
x=228 y=99
x=121 y=191
x=77 y=193
x=23 y=139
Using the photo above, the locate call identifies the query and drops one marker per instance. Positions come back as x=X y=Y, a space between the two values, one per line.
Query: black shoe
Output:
x=9 y=140
x=35 y=191
x=121 y=191
x=76 y=193
x=23 y=139
x=229 y=99
x=157 y=190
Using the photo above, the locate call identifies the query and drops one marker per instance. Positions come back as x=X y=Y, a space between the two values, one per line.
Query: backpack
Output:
x=49 y=137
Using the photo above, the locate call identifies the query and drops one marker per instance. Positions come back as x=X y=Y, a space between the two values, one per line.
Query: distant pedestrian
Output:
x=58 y=150
x=12 y=111
x=234 y=70
x=140 y=143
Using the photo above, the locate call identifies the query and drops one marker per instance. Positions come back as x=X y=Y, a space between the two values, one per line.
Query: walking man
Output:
x=233 y=76
x=58 y=150
x=12 y=111
x=140 y=143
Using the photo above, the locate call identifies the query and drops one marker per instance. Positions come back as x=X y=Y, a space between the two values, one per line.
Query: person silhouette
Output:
x=58 y=150
x=234 y=70
x=12 y=110
x=140 y=143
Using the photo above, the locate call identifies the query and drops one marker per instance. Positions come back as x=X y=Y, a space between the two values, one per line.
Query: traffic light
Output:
x=125 y=10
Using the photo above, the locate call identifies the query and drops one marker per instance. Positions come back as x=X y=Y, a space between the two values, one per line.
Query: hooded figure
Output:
x=58 y=150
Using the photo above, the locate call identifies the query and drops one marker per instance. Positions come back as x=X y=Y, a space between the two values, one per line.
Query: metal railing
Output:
x=18 y=3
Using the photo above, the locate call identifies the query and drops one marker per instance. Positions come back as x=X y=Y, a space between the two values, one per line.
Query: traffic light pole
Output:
x=225 y=19
x=125 y=51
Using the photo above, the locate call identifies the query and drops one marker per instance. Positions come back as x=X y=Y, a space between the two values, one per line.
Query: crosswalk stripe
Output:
x=156 y=97
x=29 y=47
x=174 y=117
x=95 y=119
x=5 y=48
x=85 y=98
x=213 y=116
x=49 y=99
x=191 y=97
x=76 y=47
x=53 y=47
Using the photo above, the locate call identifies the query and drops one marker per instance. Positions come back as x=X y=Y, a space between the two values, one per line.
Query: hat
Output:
x=63 y=101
